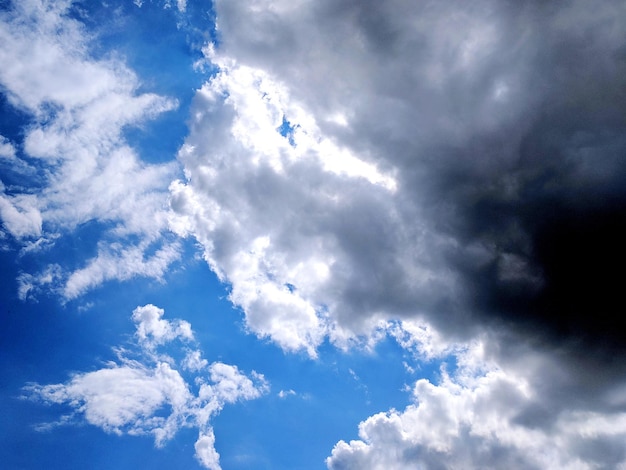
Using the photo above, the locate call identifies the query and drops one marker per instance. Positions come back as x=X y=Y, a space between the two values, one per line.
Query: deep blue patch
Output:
x=286 y=130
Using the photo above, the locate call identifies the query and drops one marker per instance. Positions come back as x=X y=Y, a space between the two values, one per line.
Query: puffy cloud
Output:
x=7 y=150
x=451 y=164
x=148 y=394
x=78 y=107
x=498 y=418
x=286 y=219
x=446 y=172
x=152 y=329
x=205 y=450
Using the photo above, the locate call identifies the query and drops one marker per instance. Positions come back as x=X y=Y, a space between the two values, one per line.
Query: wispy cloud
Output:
x=78 y=107
x=146 y=392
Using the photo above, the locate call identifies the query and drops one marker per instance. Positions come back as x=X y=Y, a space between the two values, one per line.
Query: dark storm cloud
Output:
x=536 y=175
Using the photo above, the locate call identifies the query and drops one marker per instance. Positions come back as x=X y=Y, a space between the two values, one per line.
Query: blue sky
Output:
x=302 y=235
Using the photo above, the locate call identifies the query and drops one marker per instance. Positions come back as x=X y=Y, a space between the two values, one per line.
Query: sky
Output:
x=312 y=234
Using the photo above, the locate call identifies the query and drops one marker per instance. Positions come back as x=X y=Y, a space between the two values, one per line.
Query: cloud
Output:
x=251 y=197
x=498 y=417
x=7 y=150
x=352 y=163
x=78 y=107
x=286 y=393
x=152 y=330
x=205 y=450
x=120 y=263
x=447 y=173
x=148 y=394
x=19 y=215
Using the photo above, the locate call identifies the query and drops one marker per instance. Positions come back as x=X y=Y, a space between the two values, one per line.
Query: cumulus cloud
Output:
x=355 y=162
x=445 y=172
x=148 y=394
x=205 y=450
x=489 y=415
x=253 y=192
x=78 y=107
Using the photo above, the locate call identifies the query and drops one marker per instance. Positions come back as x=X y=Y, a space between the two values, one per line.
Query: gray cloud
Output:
x=504 y=125
x=477 y=187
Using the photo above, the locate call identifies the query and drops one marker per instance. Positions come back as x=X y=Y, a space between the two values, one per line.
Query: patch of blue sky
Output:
x=286 y=130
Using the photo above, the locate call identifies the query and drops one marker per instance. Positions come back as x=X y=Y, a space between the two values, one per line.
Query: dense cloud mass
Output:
x=456 y=165
x=490 y=142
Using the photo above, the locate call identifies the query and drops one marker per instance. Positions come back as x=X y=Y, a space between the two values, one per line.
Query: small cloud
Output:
x=194 y=362
x=148 y=396
x=7 y=150
x=286 y=393
x=85 y=307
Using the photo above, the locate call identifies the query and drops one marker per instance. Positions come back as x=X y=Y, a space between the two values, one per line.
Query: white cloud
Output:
x=498 y=418
x=79 y=107
x=123 y=397
x=29 y=286
x=149 y=395
x=121 y=263
x=153 y=330
x=20 y=215
x=194 y=362
x=286 y=393
x=7 y=150
x=205 y=450
x=286 y=222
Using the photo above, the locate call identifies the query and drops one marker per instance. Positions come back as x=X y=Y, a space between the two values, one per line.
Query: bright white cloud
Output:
x=153 y=330
x=79 y=106
x=492 y=418
x=121 y=263
x=20 y=216
x=284 y=219
x=205 y=450
x=149 y=395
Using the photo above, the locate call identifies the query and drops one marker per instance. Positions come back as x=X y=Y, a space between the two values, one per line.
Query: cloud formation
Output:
x=451 y=174
x=149 y=393
x=516 y=414
x=77 y=107
x=353 y=162
x=451 y=167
